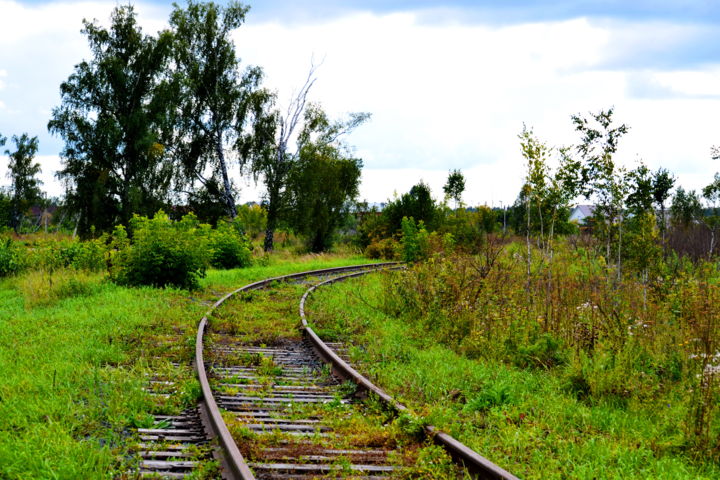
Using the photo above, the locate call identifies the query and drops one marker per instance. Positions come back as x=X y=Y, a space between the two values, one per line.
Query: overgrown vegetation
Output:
x=75 y=355
x=569 y=374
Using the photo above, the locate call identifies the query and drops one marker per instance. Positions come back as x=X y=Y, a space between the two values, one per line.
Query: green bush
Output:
x=88 y=255
x=162 y=252
x=252 y=219
x=386 y=248
x=414 y=240
x=230 y=248
x=10 y=258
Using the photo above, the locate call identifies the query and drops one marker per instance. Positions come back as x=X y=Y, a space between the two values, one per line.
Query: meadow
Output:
x=565 y=372
x=76 y=351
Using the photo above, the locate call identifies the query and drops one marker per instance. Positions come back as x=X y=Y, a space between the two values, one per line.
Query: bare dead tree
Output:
x=275 y=165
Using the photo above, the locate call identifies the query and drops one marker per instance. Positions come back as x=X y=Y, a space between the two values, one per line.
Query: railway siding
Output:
x=294 y=409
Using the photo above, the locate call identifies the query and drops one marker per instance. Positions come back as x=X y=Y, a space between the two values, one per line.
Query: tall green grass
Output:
x=76 y=351
x=515 y=396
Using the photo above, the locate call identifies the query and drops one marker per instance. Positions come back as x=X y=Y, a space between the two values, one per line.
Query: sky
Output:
x=449 y=84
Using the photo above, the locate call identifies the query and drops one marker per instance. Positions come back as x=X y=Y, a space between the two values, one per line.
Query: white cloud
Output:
x=442 y=95
x=448 y=96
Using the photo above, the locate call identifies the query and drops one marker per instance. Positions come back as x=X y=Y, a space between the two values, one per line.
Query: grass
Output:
x=531 y=420
x=270 y=317
x=75 y=352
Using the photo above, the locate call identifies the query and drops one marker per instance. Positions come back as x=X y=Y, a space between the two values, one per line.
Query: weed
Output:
x=562 y=374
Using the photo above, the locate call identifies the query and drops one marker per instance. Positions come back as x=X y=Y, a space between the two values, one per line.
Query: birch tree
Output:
x=22 y=171
x=602 y=179
x=289 y=132
x=114 y=119
x=218 y=105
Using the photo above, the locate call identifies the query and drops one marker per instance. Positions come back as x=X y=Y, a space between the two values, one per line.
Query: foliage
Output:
x=663 y=181
x=162 y=252
x=385 y=248
x=601 y=178
x=417 y=203
x=469 y=227
x=216 y=103
x=642 y=245
x=455 y=186
x=641 y=197
x=230 y=248
x=279 y=164
x=251 y=219
x=414 y=240
x=591 y=373
x=685 y=208
x=22 y=171
x=323 y=182
x=542 y=208
x=115 y=123
x=10 y=257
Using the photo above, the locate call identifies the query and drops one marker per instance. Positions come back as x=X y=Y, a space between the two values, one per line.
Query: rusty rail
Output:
x=234 y=465
x=475 y=463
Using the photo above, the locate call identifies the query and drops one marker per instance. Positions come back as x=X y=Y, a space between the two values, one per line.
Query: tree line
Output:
x=161 y=121
x=153 y=121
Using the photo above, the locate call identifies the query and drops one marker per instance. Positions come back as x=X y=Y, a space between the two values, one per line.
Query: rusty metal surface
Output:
x=234 y=464
x=232 y=456
x=473 y=461
x=284 y=411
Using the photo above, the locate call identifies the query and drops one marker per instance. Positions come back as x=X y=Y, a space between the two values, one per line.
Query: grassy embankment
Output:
x=586 y=379
x=75 y=352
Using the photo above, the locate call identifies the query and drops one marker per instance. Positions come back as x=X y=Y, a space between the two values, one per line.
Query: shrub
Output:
x=414 y=240
x=88 y=255
x=252 y=219
x=230 y=248
x=10 y=258
x=162 y=252
x=386 y=248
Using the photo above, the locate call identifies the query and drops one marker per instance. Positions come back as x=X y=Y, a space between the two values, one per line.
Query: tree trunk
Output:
x=712 y=241
x=619 y=253
x=272 y=218
x=663 y=224
x=15 y=215
x=227 y=193
x=527 y=242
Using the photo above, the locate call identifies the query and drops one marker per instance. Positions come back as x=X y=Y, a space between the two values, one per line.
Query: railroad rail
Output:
x=279 y=394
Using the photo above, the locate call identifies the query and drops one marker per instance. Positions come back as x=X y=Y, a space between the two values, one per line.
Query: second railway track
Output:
x=278 y=410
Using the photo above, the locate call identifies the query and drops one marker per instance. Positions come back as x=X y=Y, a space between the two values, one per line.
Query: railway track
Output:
x=285 y=405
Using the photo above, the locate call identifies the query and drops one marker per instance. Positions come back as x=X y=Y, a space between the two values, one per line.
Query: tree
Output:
x=25 y=188
x=712 y=194
x=600 y=177
x=274 y=164
x=535 y=189
x=685 y=208
x=322 y=184
x=663 y=183
x=455 y=186
x=324 y=178
x=216 y=102
x=114 y=118
x=641 y=197
x=417 y=203
x=546 y=195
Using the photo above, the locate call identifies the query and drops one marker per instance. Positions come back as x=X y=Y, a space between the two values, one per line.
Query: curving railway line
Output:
x=290 y=408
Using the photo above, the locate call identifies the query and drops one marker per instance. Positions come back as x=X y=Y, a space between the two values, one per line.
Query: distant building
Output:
x=581 y=213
